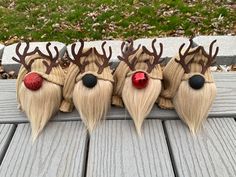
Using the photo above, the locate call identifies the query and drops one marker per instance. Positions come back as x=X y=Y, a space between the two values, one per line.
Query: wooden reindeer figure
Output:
x=39 y=85
x=88 y=84
x=138 y=81
x=189 y=86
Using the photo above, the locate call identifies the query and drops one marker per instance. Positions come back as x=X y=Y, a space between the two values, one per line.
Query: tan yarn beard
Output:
x=92 y=103
x=193 y=105
x=40 y=105
x=139 y=102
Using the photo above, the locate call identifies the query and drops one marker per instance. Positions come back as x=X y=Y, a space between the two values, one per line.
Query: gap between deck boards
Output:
x=7 y=143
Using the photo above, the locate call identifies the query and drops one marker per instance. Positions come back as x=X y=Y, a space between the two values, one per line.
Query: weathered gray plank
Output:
x=224 y=104
x=6 y=132
x=59 y=151
x=116 y=150
x=212 y=152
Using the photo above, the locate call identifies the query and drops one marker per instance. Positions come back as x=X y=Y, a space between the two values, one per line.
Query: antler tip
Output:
x=214 y=41
x=48 y=44
x=104 y=42
x=81 y=40
x=161 y=45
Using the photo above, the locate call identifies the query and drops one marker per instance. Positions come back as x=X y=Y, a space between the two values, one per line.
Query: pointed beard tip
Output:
x=138 y=126
x=35 y=135
x=92 y=113
x=193 y=106
x=139 y=103
x=192 y=130
x=139 y=131
x=90 y=131
x=30 y=103
x=90 y=128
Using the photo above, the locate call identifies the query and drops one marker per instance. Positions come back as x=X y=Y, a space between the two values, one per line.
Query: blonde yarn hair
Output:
x=191 y=105
x=40 y=105
x=138 y=102
x=123 y=70
x=56 y=75
x=92 y=103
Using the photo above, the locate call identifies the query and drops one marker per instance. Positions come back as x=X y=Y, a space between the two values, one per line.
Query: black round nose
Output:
x=196 y=82
x=89 y=80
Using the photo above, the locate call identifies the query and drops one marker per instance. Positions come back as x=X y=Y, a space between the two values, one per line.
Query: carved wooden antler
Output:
x=210 y=57
x=182 y=57
x=104 y=57
x=127 y=53
x=154 y=54
x=24 y=55
x=78 y=56
x=53 y=60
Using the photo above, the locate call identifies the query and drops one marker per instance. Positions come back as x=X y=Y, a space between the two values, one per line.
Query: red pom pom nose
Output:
x=140 y=80
x=33 y=81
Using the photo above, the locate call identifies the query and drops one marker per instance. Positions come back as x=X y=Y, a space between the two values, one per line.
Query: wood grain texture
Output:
x=6 y=132
x=115 y=150
x=224 y=104
x=58 y=152
x=212 y=152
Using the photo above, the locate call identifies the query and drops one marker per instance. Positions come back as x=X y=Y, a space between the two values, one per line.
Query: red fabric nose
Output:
x=33 y=81
x=140 y=80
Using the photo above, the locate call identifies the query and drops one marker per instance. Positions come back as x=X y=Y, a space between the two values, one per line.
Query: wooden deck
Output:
x=166 y=148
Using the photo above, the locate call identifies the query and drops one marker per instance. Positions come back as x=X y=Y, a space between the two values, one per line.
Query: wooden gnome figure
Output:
x=189 y=86
x=138 y=81
x=39 y=85
x=88 y=84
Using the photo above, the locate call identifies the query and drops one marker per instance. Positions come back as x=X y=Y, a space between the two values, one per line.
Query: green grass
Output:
x=70 y=20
